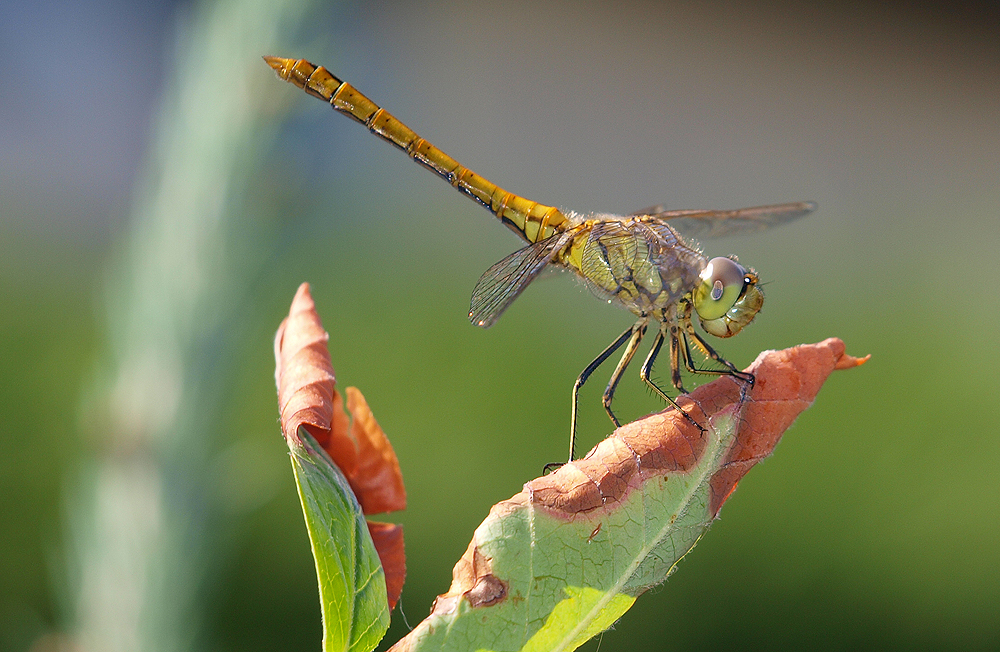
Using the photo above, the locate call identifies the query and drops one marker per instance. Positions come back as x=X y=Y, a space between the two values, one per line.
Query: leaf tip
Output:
x=849 y=361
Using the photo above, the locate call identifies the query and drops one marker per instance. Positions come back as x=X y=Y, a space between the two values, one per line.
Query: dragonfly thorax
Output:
x=643 y=266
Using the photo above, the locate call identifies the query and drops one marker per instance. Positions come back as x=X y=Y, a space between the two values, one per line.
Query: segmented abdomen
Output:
x=529 y=219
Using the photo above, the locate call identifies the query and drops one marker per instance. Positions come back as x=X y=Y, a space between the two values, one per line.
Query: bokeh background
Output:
x=162 y=195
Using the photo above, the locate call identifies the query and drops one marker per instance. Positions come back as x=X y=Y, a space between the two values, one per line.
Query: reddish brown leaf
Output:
x=787 y=383
x=306 y=384
x=377 y=481
x=388 y=539
x=307 y=397
x=667 y=443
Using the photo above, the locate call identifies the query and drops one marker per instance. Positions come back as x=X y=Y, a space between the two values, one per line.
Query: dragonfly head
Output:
x=727 y=298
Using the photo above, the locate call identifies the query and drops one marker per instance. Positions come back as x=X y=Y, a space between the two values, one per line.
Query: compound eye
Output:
x=721 y=285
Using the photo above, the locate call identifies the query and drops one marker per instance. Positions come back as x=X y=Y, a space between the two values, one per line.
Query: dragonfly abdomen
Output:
x=529 y=219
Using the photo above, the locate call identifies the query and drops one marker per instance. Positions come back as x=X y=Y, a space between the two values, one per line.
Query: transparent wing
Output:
x=501 y=284
x=713 y=224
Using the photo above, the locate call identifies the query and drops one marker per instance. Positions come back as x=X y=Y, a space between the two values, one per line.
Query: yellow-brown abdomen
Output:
x=529 y=219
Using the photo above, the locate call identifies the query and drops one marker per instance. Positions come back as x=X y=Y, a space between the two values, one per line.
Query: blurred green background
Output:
x=162 y=195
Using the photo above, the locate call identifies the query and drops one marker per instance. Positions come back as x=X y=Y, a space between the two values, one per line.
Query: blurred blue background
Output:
x=136 y=387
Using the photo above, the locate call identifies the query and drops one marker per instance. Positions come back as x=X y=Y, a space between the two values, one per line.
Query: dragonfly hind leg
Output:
x=632 y=336
x=616 y=376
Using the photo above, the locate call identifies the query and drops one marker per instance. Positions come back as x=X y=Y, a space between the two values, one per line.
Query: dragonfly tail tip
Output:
x=279 y=64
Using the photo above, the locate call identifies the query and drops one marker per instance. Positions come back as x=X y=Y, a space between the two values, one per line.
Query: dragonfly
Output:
x=638 y=261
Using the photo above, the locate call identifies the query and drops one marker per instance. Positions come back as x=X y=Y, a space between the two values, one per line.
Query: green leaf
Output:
x=565 y=558
x=351 y=582
x=565 y=581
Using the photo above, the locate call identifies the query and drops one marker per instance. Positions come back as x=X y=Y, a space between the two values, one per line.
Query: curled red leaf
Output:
x=308 y=398
x=307 y=394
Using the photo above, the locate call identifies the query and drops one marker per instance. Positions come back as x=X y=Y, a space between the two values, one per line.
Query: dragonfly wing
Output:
x=504 y=282
x=714 y=224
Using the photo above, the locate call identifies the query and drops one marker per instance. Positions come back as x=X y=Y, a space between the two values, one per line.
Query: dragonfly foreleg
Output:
x=730 y=368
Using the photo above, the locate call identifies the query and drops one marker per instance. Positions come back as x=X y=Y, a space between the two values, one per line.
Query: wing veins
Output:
x=503 y=282
x=714 y=224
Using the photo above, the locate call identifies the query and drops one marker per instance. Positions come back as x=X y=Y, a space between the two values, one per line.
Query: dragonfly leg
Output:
x=647 y=369
x=730 y=368
x=591 y=368
x=616 y=376
x=675 y=360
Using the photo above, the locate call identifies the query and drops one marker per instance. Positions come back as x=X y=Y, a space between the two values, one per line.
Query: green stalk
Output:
x=142 y=519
